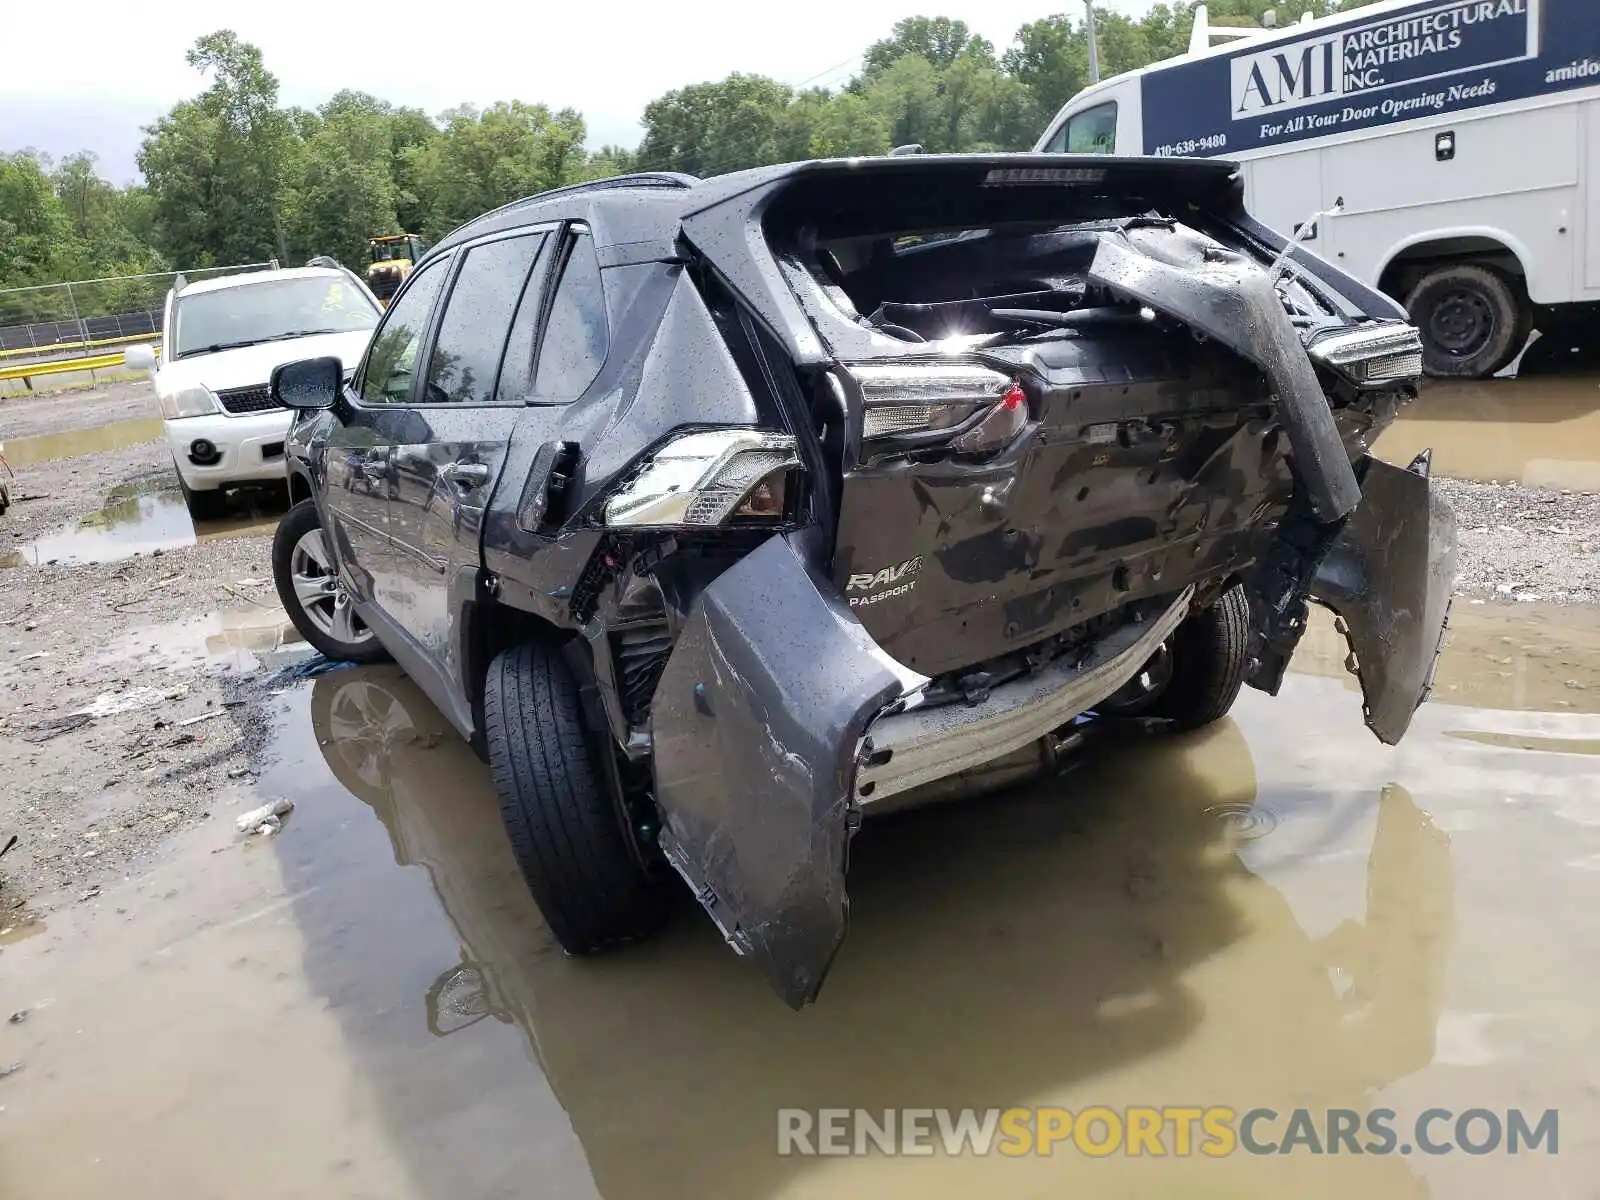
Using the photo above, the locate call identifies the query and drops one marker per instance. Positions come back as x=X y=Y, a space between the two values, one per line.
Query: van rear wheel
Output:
x=1472 y=319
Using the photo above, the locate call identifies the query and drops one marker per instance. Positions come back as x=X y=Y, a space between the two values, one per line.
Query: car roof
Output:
x=638 y=216
x=245 y=279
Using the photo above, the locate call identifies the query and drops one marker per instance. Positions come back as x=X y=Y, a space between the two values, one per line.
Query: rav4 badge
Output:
x=893 y=578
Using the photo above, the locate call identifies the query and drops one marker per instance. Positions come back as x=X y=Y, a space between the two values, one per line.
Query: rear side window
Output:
x=472 y=333
x=575 y=341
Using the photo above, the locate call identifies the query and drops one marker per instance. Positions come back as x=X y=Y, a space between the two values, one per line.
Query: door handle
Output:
x=466 y=475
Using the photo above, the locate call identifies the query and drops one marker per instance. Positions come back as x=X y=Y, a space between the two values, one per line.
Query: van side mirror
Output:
x=309 y=383
x=140 y=358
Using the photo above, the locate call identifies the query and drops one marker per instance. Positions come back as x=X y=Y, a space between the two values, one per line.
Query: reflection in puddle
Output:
x=10 y=934
x=1544 y=432
x=1245 y=821
x=1534 y=657
x=1529 y=741
x=1413 y=932
x=137 y=519
x=241 y=638
x=1097 y=941
x=25 y=451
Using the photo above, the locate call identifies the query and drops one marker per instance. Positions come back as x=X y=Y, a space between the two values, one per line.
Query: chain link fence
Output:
x=59 y=319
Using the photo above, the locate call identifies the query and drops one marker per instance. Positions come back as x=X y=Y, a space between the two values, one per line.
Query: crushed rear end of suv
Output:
x=898 y=474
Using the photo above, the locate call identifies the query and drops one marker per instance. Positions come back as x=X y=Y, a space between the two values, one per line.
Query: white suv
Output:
x=222 y=339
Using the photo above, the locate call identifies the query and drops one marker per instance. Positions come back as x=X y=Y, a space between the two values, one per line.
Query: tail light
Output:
x=707 y=478
x=1378 y=355
x=970 y=408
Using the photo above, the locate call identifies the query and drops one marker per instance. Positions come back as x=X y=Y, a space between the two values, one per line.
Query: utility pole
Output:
x=1094 y=49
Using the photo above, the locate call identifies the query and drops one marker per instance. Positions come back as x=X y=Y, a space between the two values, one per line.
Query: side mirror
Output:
x=310 y=383
x=140 y=358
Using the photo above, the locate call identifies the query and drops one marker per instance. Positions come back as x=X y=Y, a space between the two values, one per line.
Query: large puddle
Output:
x=137 y=519
x=46 y=447
x=1540 y=430
x=243 y=639
x=1277 y=913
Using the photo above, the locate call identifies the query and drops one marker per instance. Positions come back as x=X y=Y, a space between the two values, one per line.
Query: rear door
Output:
x=447 y=457
x=360 y=448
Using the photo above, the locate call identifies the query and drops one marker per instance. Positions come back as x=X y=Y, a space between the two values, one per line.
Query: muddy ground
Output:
x=121 y=623
x=118 y=624
x=367 y=1004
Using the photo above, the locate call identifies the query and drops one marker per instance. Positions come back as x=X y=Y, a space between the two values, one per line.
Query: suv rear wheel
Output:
x=1472 y=319
x=560 y=812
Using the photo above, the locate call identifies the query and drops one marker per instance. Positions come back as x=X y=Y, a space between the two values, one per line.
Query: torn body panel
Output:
x=756 y=724
x=1389 y=576
x=1227 y=296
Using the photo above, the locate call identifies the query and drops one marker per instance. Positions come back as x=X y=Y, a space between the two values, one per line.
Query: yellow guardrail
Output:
x=94 y=362
x=115 y=341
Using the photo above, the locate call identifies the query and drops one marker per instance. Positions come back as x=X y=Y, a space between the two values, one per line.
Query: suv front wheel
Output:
x=560 y=811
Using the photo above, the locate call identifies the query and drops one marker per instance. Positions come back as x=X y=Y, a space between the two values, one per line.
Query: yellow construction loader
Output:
x=393 y=255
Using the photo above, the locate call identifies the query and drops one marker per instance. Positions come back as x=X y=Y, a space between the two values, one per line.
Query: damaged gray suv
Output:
x=722 y=514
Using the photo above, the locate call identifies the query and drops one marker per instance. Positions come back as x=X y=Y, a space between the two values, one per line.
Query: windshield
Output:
x=269 y=311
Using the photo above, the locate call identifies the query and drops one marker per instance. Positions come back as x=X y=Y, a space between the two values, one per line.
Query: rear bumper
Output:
x=777 y=718
x=778 y=722
x=920 y=746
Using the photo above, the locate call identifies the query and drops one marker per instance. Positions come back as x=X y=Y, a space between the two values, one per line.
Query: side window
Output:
x=576 y=338
x=1093 y=131
x=398 y=340
x=472 y=333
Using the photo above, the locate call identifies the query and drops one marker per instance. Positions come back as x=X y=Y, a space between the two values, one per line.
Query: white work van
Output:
x=1445 y=151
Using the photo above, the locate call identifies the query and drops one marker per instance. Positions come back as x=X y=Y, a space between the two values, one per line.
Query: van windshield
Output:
x=272 y=310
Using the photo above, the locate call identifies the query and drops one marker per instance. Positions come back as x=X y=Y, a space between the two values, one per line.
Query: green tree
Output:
x=712 y=128
x=848 y=125
x=608 y=161
x=342 y=191
x=37 y=242
x=484 y=159
x=936 y=40
x=98 y=214
x=215 y=165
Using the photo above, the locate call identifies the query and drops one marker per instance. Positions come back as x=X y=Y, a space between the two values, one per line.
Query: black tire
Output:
x=1472 y=318
x=203 y=505
x=1210 y=655
x=559 y=812
x=300 y=520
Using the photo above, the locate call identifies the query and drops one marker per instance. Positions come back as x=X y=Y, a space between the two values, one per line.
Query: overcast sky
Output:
x=94 y=71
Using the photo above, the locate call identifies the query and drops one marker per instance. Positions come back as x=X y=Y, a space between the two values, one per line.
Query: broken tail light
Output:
x=970 y=408
x=1374 y=356
x=707 y=478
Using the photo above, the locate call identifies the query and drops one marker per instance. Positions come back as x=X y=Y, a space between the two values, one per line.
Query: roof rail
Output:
x=1203 y=31
x=650 y=179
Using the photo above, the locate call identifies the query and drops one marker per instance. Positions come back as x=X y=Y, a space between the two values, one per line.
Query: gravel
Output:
x=1522 y=544
x=89 y=795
